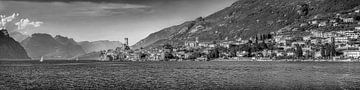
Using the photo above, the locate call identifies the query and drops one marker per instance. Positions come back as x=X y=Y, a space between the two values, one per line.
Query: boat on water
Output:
x=41 y=59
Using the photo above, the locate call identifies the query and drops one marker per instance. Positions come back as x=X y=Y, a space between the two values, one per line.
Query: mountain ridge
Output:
x=58 y=47
x=244 y=19
x=9 y=48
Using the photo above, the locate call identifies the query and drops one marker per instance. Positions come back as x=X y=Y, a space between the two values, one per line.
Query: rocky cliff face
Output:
x=58 y=47
x=9 y=48
x=99 y=45
x=246 y=18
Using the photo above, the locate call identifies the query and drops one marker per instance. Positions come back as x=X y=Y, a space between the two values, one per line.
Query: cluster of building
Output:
x=123 y=53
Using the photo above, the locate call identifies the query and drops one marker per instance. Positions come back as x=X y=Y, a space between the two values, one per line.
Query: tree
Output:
x=357 y=18
x=168 y=56
x=247 y=48
x=328 y=50
x=167 y=46
x=332 y=50
x=143 y=55
x=323 y=51
x=168 y=52
x=195 y=55
x=262 y=46
x=298 y=51
x=127 y=47
x=233 y=49
x=213 y=54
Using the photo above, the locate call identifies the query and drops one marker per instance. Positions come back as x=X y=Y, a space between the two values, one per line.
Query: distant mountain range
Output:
x=9 y=48
x=244 y=19
x=59 y=47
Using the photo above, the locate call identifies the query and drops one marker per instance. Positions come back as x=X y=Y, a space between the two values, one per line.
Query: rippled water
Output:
x=178 y=75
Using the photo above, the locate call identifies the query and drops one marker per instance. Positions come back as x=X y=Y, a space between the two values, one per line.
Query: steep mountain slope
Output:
x=9 y=48
x=18 y=36
x=45 y=45
x=99 y=45
x=39 y=45
x=246 y=18
x=69 y=48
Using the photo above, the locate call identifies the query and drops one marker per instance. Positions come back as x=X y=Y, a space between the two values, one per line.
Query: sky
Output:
x=92 y=20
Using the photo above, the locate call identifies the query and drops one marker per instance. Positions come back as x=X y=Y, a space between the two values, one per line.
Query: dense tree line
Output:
x=250 y=48
x=328 y=50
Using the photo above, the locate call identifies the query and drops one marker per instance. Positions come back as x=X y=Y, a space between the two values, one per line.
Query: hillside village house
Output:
x=352 y=34
x=191 y=44
x=306 y=38
x=301 y=43
x=207 y=44
x=357 y=28
x=348 y=20
x=316 y=33
x=323 y=23
x=316 y=40
x=225 y=44
x=341 y=40
x=346 y=47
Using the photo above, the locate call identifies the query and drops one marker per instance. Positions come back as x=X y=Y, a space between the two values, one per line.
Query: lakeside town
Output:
x=180 y=44
x=307 y=44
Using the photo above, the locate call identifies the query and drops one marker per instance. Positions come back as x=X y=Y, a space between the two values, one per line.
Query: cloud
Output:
x=76 y=7
x=104 y=9
x=23 y=23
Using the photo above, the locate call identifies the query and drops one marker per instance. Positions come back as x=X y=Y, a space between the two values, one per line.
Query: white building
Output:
x=341 y=39
x=321 y=24
x=350 y=34
x=352 y=53
x=191 y=44
x=357 y=28
x=348 y=19
x=353 y=34
x=301 y=43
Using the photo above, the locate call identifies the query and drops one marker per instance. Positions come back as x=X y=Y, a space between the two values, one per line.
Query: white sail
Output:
x=41 y=59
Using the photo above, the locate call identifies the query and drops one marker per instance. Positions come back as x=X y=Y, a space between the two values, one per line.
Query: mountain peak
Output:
x=9 y=48
x=58 y=47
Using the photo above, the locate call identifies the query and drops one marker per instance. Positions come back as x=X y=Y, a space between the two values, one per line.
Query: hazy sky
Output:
x=93 y=20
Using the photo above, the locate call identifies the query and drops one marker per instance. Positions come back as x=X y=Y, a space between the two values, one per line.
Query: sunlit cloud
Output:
x=23 y=23
x=5 y=19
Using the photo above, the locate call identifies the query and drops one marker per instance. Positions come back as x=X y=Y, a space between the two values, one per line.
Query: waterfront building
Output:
x=352 y=53
x=339 y=40
x=348 y=20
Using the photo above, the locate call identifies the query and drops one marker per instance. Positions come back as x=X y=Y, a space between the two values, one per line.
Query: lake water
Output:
x=178 y=75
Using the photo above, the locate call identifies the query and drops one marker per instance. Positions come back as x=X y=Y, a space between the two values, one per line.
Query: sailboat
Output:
x=41 y=59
